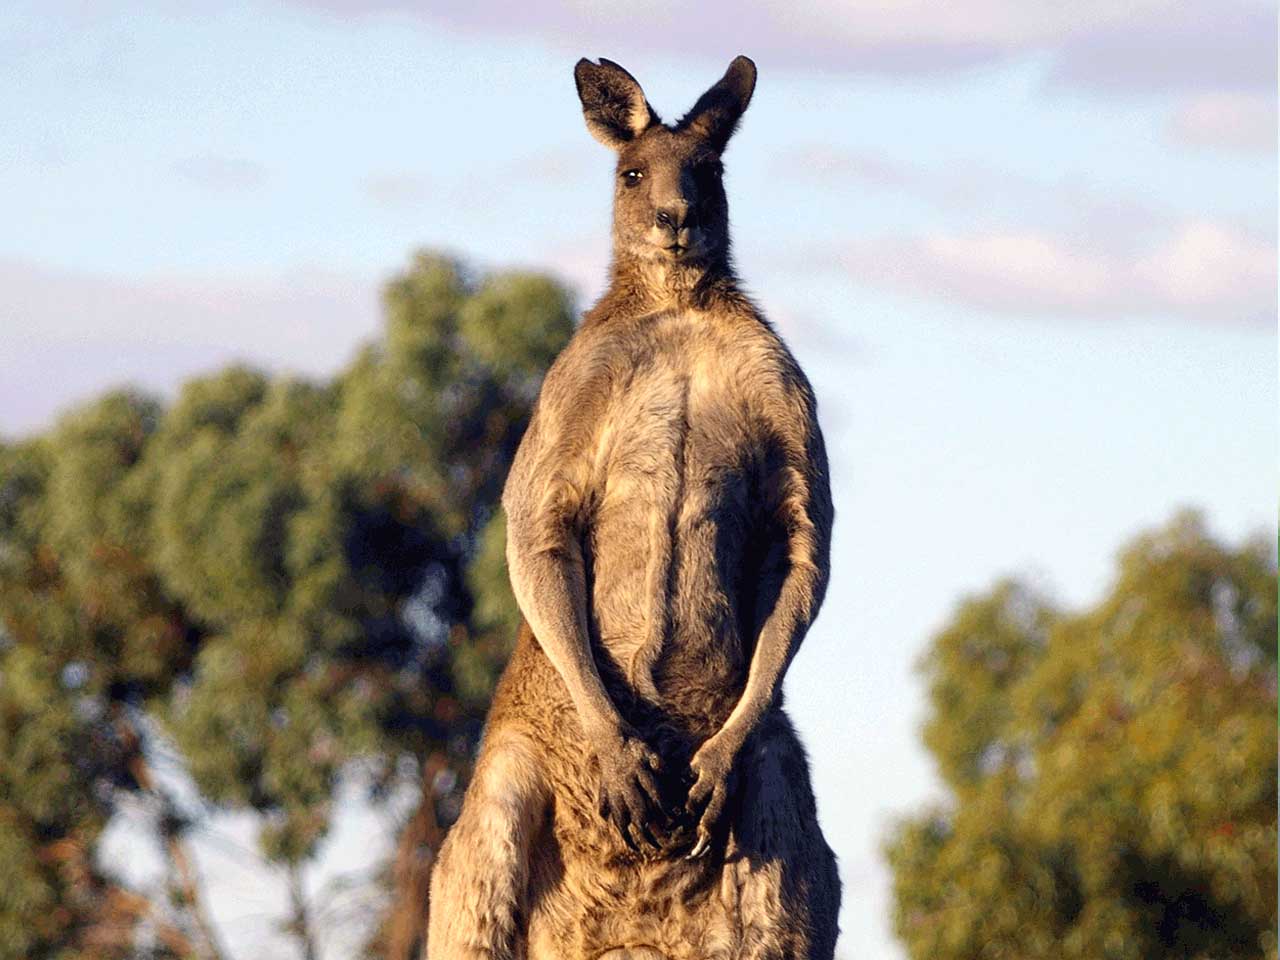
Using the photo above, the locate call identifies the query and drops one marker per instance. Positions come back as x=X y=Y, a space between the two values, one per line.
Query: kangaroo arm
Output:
x=542 y=498
x=549 y=583
x=780 y=636
x=805 y=513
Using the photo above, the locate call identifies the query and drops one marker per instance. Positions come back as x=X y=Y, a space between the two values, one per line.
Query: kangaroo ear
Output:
x=612 y=102
x=716 y=114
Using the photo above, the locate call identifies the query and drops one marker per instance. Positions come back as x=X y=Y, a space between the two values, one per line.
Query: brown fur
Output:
x=640 y=791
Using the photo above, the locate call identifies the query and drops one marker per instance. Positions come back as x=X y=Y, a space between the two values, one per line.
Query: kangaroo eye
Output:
x=632 y=178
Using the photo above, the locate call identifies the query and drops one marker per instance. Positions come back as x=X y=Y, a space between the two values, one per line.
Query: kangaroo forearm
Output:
x=779 y=638
x=551 y=593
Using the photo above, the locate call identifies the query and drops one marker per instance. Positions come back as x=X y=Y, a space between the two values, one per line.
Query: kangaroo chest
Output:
x=673 y=488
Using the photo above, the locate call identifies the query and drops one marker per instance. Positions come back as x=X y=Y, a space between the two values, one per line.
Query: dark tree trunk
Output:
x=405 y=928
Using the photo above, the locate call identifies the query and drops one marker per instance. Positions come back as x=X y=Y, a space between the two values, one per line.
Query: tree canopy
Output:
x=268 y=581
x=1111 y=772
x=274 y=578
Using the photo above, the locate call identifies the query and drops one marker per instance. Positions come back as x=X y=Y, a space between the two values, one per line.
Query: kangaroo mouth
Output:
x=688 y=249
x=675 y=249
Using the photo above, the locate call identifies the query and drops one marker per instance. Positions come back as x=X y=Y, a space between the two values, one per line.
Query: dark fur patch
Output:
x=716 y=114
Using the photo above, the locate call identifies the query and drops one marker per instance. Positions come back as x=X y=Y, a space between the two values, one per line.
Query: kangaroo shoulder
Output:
x=584 y=369
x=773 y=377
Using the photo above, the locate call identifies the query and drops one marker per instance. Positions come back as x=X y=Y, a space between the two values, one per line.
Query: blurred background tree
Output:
x=268 y=588
x=262 y=587
x=1111 y=772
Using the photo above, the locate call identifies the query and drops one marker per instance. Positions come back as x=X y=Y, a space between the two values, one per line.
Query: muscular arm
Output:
x=798 y=503
x=803 y=513
x=542 y=497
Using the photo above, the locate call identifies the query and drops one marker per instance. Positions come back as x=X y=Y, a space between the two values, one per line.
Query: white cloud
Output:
x=397 y=191
x=1198 y=271
x=974 y=189
x=1018 y=245
x=1000 y=23
x=1017 y=264
x=70 y=335
x=221 y=173
x=1242 y=122
x=1180 y=47
x=1109 y=45
x=1208 y=270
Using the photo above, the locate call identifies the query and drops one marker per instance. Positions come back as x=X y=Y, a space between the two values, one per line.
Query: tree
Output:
x=1111 y=772
x=278 y=580
x=86 y=636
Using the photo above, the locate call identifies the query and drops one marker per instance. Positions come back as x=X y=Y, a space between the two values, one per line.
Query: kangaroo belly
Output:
x=666 y=626
x=665 y=545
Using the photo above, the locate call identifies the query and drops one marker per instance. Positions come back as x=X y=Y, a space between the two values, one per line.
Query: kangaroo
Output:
x=640 y=792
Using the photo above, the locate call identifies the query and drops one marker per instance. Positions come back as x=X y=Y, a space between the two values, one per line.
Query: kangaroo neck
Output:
x=651 y=285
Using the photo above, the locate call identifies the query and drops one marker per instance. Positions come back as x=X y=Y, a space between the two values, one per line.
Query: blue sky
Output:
x=1027 y=258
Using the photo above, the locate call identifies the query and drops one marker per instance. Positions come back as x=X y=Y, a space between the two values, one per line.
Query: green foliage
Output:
x=1113 y=771
x=281 y=577
x=972 y=666
x=61 y=757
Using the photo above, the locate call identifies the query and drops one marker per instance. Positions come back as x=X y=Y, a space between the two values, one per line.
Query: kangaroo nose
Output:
x=672 y=217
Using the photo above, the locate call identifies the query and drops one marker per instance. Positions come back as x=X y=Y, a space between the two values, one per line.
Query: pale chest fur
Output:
x=679 y=411
x=673 y=493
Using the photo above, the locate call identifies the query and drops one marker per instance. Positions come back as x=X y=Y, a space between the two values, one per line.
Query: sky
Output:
x=1025 y=251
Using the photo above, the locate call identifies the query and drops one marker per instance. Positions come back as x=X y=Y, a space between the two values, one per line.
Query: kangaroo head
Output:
x=668 y=197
